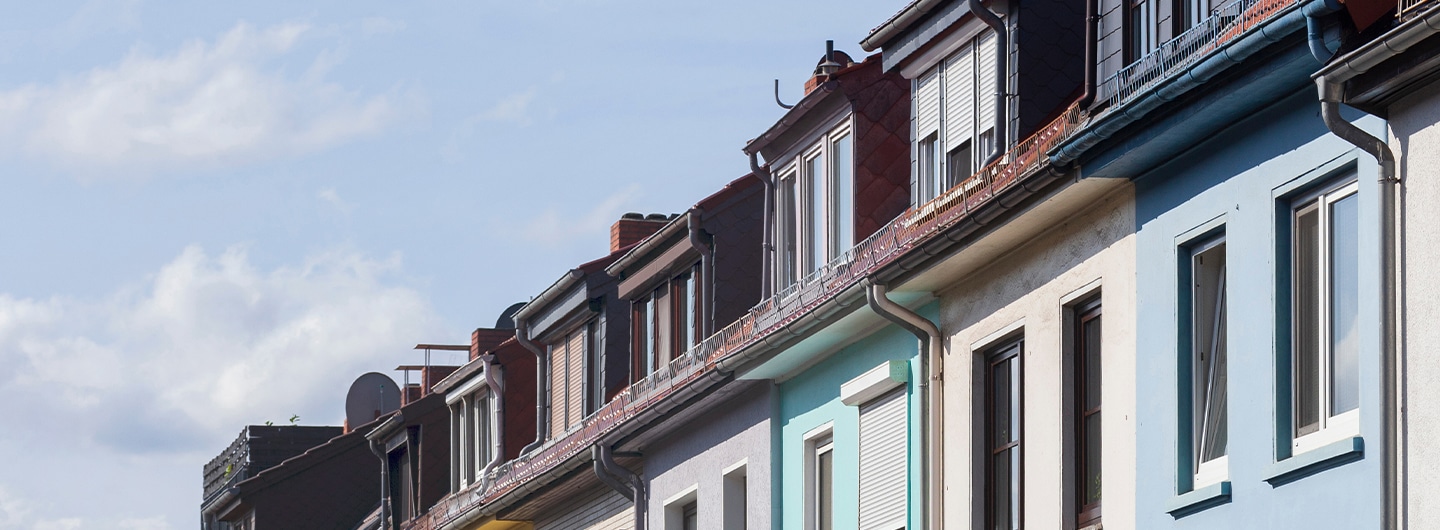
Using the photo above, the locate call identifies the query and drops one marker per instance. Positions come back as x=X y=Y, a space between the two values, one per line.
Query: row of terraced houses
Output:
x=980 y=278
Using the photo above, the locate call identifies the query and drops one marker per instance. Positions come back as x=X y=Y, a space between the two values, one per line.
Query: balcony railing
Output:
x=1222 y=26
x=907 y=231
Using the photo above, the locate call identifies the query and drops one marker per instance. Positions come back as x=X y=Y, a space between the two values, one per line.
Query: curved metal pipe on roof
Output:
x=1002 y=77
x=932 y=404
x=497 y=391
x=542 y=390
x=1315 y=30
x=596 y=453
x=605 y=459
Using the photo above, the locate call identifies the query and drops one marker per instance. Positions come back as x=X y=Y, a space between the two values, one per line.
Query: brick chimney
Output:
x=633 y=227
x=831 y=62
x=486 y=339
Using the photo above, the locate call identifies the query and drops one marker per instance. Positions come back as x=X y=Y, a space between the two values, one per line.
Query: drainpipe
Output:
x=1315 y=29
x=1002 y=79
x=606 y=477
x=1092 y=23
x=767 y=245
x=932 y=408
x=605 y=461
x=707 y=269
x=497 y=390
x=542 y=404
x=384 y=484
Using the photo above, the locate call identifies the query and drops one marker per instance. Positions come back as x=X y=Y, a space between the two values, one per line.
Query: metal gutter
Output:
x=932 y=406
x=497 y=390
x=605 y=464
x=837 y=305
x=646 y=245
x=1178 y=85
x=767 y=245
x=542 y=398
x=1002 y=77
x=550 y=294
x=1315 y=29
x=898 y=24
x=792 y=116
x=1330 y=81
x=384 y=483
x=707 y=269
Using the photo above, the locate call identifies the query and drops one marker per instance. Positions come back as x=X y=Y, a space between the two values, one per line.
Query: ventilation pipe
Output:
x=767 y=239
x=1002 y=79
x=932 y=408
x=497 y=391
x=542 y=367
x=605 y=464
x=1092 y=35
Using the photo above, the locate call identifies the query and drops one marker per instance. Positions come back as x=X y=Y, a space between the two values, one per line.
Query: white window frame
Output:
x=818 y=441
x=467 y=426
x=933 y=177
x=1215 y=470
x=806 y=236
x=674 y=507
x=1333 y=427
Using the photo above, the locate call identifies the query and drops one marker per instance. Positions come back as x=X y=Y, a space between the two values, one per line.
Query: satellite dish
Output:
x=507 y=317
x=371 y=396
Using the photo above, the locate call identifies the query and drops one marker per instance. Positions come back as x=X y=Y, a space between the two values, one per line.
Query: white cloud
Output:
x=331 y=197
x=514 y=108
x=226 y=101
x=553 y=227
x=207 y=345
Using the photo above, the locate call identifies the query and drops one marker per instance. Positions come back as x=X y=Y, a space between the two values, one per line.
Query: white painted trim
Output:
x=874 y=383
x=819 y=431
x=1085 y=291
x=687 y=494
x=477 y=379
x=990 y=340
x=744 y=463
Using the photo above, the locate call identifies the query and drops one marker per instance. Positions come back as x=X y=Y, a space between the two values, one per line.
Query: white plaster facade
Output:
x=1026 y=287
x=1415 y=138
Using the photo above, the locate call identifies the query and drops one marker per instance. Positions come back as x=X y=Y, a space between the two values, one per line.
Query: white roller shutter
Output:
x=883 y=451
x=985 y=91
x=575 y=377
x=557 y=389
x=959 y=98
x=927 y=104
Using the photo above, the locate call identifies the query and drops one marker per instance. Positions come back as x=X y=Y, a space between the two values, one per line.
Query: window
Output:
x=1187 y=13
x=685 y=302
x=954 y=107
x=1137 y=30
x=643 y=339
x=1004 y=417
x=1205 y=330
x=826 y=209
x=733 y=497
x=682 y=511
x=690 y=517
x=567 y=381
x=819 y=483
x=1325 y=294
x=883 y=473
x=788 y=231
x=1088 y=437
x=472 y=438
x=666 y=323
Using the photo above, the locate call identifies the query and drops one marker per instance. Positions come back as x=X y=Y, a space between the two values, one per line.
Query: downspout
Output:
x=1331 y=93
x=497 y=390
x=542 y=403
x=1092 y=23
x=605 y=459
x=707 y=270
x=932 y=408
x=1002 y=79
x=606 y=477
x=1315 y=28
x=767 y=244
x=384 y=484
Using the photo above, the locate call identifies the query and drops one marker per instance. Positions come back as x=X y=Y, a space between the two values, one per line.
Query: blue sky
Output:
x=219 y=214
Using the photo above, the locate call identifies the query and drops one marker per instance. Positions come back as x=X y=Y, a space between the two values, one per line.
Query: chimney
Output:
x=832 y=62
x=633 y=227
x=484 y=340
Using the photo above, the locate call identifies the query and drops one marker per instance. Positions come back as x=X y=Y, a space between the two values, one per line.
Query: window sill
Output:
x=1199 y=499
x=1315 y=460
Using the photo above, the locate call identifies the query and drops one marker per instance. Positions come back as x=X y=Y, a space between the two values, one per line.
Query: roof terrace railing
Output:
x=1222 y=26
x=1409 y=8
x=907 y=231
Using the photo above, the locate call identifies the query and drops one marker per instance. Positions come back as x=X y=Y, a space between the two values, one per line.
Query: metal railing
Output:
x=1223 y=25
x=907 y=231
x=1410 y=8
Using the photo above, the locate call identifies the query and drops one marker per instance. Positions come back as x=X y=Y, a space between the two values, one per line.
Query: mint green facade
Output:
x=811 y=400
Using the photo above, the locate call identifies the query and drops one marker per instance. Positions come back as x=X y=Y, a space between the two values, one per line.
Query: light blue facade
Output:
x=811 y=400
x=1239 y=182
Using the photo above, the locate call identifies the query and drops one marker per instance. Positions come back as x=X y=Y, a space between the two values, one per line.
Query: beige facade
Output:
x=1032 y=273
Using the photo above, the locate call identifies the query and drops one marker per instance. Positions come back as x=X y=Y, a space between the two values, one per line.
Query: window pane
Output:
x=1000 y=375
x=787 y=231
x=1208 y=348
x=842 y=197
x=1090 y=488
x=1001 y=492
x=929 y=168
x=959 y=161
x=1344 y=304
x=1307 y=320
x=815 y=205
x=1091 y=360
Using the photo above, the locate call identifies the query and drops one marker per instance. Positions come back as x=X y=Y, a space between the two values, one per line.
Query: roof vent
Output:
x=832 y=62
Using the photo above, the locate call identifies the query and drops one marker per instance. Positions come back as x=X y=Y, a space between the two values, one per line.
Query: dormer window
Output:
x=817 y=205
x=666 y=323
x=473 y=439
x=570 y=364
x=954 y=113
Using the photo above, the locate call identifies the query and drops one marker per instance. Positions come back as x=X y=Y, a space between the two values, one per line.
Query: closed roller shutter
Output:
x=575 y=378
x=927 y=104
x=985 y=91
x=883 y=451
x=557 y=389
x=959 y=98
x=598 y=508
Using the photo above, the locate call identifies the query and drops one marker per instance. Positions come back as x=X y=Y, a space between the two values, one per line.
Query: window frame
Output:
x=814 y=199
x=1330 y=427
x=1197 y=472
x=818 y=442
x=1091 y=309
x=473 y=421
x=1009 y=349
